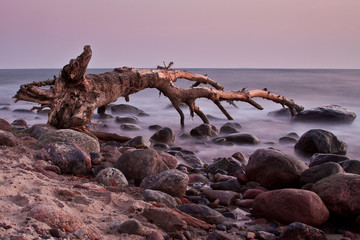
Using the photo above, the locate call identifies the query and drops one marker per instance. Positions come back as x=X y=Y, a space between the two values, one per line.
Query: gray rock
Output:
x=274 y=169
x=320 y=158
x=7 y=138
x=37 y=130
x=316 y=173
x=320 y=141
x=126 y=109
x=132 y=119
x=172 y=182
x=230 y=165
x=351 y=166
x=88 y=143
x=203 y=212
x=163 y=135
x=112 y=177
x=159 y=197
x=164 y=218
x=242 y=138
x=19 y=123
x=230 y=127
x=131 y=226
x=299 y=231
x=138 y=142
x=283 y=112
x=204 y=130
x=130 y=127
x=329 y=114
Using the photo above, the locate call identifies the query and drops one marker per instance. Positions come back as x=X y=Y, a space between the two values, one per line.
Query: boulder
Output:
x=230 y=165
x=138 y=164
x=88 y=143
x=320 y=141
x=168 y=159
x=7 y=138
x=163 y=135
x=230 y=127
x=164 y=218
x=314 y=174
x=351 y=166
x=131 y=226
x=138 y=142
x=130 y=127
x=159 y=197
x=340 y=193
x=320 y=158
x=327 y=114
x=172 y=182
x=300 y=231
x=204 y=130
x=291 y=205
x=274 y=169
x=112 y=177
x=127 y=119
x=37 y=130
x=283 y=112
x=202 y=212
x=242 y=138
x=5 y=125
x=125 y=109
x=69 y=157
x=19 y=123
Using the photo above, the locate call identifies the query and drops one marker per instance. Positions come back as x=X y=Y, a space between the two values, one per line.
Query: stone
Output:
x=300 y=231
x=140 y=163
x=204 y=130
x=326 y=114
x=253 y=193
x=125 y=109
x=231 y=185
x=5 y=125
x=283 y=112
x=132 y=119
x=163 y=135
x=262 y=235
x=340 y=193
x=230 y=127
x=197 y=177
x=159 y=197
x=112 y=177
x=131 y=226
x=130 y=127
x=202 y=212
x=274 y=169
x=220 y=235
x=172 y=182
x=291 y=205
x=320 y=141
x=168 y=159
x=164 y=218
x=242 y=138
x=19 y=123
x=226 y=198
x=155 y=236
x=138 y=142
x=320 y=158
x=240 y=157
x=7 y=138
x=37 y=130
x=229 y=165
x=69 y=157
x=351 y=166
x=88 y=143
x=318 y=172
x=287 y=140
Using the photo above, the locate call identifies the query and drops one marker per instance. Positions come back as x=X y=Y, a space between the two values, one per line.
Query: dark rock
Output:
x=300 y=231
x=169 y=160
x=130 y=127
x=231 y=185
x=217 y=235
x=159 y=197
x=5 y=125
x=96 y=158
x=226 y=198
x=7 y=138
x=112 y=177
x=202 y=212
x=19 y=110
x=242 y=138
x=164 y=218
x=287 y=140
x=230 y=127
x=198 y=200
x=160 y=146
x=155 y=235
x=164 y=135
x=245 y=203
x=69 y=157
x=356 y=224
x=320 y=158
x=229 y=165
x=154 y=127
x=328 y=114
x=204 y=130
x=253 y=193
x=138 y=142
x=67 y=135
x=340 y=193
x=316 y=173
x=274 y=169
x=262 y=235
x=19 y=123
x=351 y=166
x=291 y=205
x=172 y=182
x=127 y=119
x=191 y=160
x=126 y=109
x=39 y=129
x=138 y=164
x=320 y=141
x=196 y=177
x=240 y=157
x=283 y=112
x=131 y=226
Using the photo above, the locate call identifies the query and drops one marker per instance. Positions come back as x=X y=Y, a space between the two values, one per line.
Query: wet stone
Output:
x=159 y=197
x=230 y=127
x=229 y=165
x=112 y=177
x=138 y=142
x=327 y=114
x=202 y=212
x=132 y=119
x=318 y=172
x=351 y=166
x=242 y=138
x=204 y=130
x=163 y=135
x=125 y=109
x=130 y=127
x=5 y=125
x=320 y=158
x=299 y=230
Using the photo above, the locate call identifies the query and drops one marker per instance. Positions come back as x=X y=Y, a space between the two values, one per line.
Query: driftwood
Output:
x=73 y=96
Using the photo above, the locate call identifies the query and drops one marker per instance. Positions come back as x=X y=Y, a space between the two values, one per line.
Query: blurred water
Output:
x=309 y=88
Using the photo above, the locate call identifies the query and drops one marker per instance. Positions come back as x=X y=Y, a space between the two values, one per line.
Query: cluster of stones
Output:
x=271 y=195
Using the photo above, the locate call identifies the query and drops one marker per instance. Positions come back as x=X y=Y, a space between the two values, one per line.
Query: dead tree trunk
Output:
x=73 y=96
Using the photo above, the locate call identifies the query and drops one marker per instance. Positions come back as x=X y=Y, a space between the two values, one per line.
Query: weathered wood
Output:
x=73 y=96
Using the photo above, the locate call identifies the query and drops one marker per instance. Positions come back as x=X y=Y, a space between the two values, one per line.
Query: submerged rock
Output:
x=163 y=135
x=351 y=166
x=127 y=119
x=230 y=127
x=320 y=141
x=204 y=130
x=242 y=138
x=126 y=109
x=320 y=158
x=130 y=127
x=329 y=114
x=138 y=142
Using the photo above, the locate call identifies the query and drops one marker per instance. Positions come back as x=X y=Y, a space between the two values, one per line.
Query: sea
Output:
x=309 y=88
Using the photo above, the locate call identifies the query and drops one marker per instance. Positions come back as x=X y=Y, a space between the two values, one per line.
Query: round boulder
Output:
x=299 y=230
x=320 y=158
x=172 y=182
x=7 y=138
x=274 y=169
x=242 y=138
x=5 y=125
x=164 y=135
x=126 y=109
x=329 y=114
x=204 y=130
x=159 y=197
x=138 y=164
x=88 y=143
x=230 y=165
x=314 y=174
x=112 y=177
x=351 y=166
x=138 y=142
x=340 y=193
x=230 y=127
x=202 y=212
x=291 y=205
x=320 y=141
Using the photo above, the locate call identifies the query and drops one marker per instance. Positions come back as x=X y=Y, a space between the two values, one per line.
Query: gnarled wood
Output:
x=73 y=96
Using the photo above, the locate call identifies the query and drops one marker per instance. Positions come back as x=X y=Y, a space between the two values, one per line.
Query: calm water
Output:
x=309 y=88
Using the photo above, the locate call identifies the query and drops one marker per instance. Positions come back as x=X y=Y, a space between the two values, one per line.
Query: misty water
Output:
x=309 y=88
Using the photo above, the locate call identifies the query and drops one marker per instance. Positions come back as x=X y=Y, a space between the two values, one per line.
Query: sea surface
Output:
x=307 y=87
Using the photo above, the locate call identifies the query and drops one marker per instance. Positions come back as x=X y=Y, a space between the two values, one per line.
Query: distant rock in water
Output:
x=126 y=109
x=329 y=114
x=283 y=112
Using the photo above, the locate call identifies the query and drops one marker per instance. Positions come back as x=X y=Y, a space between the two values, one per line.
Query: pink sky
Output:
x=197 y=33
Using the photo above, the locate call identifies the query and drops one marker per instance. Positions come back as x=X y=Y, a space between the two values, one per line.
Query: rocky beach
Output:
x=64 y=184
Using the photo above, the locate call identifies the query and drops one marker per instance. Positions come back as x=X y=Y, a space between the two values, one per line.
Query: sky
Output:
x=191 y=33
